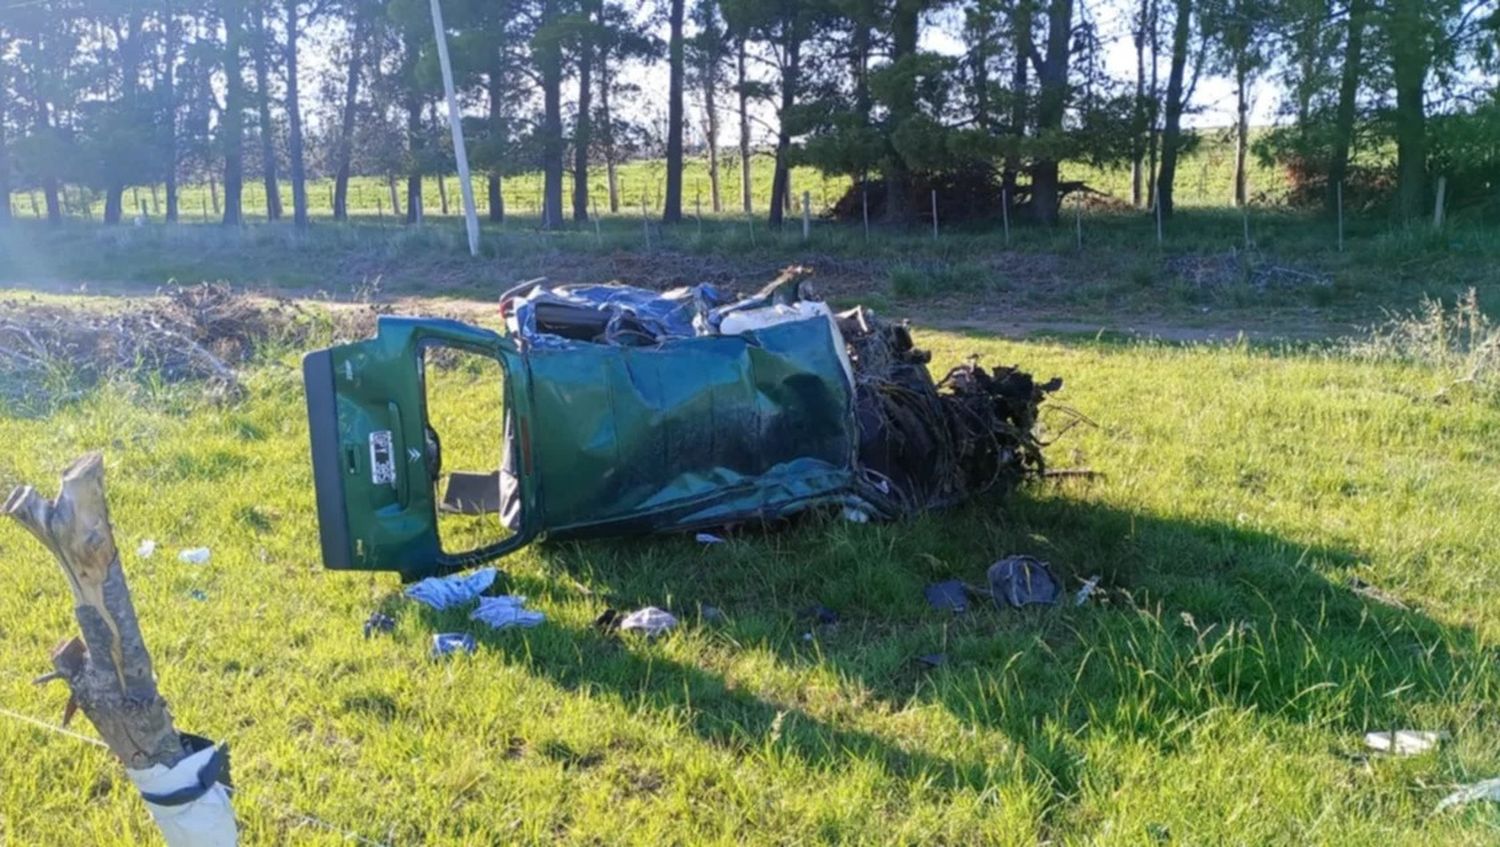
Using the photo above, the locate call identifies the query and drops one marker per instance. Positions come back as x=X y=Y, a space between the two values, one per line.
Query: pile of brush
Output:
x=51 y=352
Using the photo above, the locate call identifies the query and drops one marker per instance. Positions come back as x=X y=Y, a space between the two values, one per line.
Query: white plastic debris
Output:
x=194 y=555
x=708 y=538
x=1406 y=742
x=205 y=822
x=146 y=549
x=1486 y=790
x=506 y=611
x=444 y=592
x=745 y=320
x=1086 y=591
x=854 y=515
x=650 y=620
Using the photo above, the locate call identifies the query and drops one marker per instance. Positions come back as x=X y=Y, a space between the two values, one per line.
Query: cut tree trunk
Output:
x=108 y=672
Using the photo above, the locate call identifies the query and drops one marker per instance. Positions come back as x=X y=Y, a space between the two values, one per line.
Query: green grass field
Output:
x=1216 y=693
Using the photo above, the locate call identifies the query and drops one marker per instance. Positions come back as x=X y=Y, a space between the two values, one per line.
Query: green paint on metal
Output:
x=689 y=433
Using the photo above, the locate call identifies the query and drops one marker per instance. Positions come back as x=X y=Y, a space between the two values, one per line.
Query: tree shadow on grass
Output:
x=1192 y=617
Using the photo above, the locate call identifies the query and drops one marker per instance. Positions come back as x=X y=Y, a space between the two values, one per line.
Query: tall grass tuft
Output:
x=1460 y=341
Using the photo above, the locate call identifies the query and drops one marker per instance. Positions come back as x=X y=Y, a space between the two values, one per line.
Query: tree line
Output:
x=107 y=94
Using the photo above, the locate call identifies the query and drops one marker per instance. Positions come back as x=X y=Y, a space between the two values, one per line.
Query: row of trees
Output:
x=112 y=93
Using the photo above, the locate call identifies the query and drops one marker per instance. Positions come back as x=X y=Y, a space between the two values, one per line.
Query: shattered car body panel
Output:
x=629 y=412
x=690 y=433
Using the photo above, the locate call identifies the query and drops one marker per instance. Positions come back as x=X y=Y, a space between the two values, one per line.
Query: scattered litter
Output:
x=194 y=555
x=950 y=596
x=1408 y=742
x=807 y=636
x=1022 y=580
x=650 y=620
x=711 y=614
x=1086 y=591
x=1486 y=790
x=708 y=538
x=379 y=622
x=198 y=594
x=608 y=621
x=933 y=660
x=444 y=592
x=147 y=548
x=821 y=614
x=506 y=611
x=854 y=515
x=447 y=643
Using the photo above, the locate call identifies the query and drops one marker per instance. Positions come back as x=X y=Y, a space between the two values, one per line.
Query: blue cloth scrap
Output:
x=448 y=643
x=445 y=592
x=506 y=611
x=950 y=596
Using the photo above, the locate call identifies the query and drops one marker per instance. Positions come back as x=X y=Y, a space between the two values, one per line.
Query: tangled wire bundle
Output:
x=929 y=445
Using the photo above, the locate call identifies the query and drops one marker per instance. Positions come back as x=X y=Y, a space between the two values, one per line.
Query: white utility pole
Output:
x=471 y=218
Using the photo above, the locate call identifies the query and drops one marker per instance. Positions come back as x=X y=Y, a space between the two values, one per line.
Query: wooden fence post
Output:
x=109 y=673
x=1341 y=216
x=1005 y=213
x=1442 y=198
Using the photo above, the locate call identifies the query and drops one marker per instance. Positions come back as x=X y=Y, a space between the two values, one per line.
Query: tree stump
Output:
x=109 y=673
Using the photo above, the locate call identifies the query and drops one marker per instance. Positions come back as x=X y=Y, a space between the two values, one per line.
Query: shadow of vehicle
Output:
x=1192 y=617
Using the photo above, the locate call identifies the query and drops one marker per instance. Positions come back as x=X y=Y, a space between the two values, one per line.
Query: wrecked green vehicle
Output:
x=627 y=411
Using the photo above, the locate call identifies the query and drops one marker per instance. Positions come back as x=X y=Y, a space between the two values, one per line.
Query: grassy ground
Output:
x=1201 y=274
x=1217 y=693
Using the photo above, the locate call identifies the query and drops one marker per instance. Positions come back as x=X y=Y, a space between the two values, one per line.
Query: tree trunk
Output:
x=108 y=672
x=1019 y=82
x=232 y=125
x=130 y=65
x=1241 y=129
x=1349 y=77
x=583 y=130
x=1052 y=104
x=495 y=87
x=1153 y=104
x=1137 y=144
x=1172 y=132
x=294 y=121
x=263 y=107
x=345 y=152
x=495 y=199
x=744 y=94
x=606 y=118
x=905 y=23
x=781 y=188
x=414 y=148
x=672 y=207
x=1410 y=58
x=549 y=60
x=442 y=183
x=711 y=132
x=390 y=183
x=172 y=37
